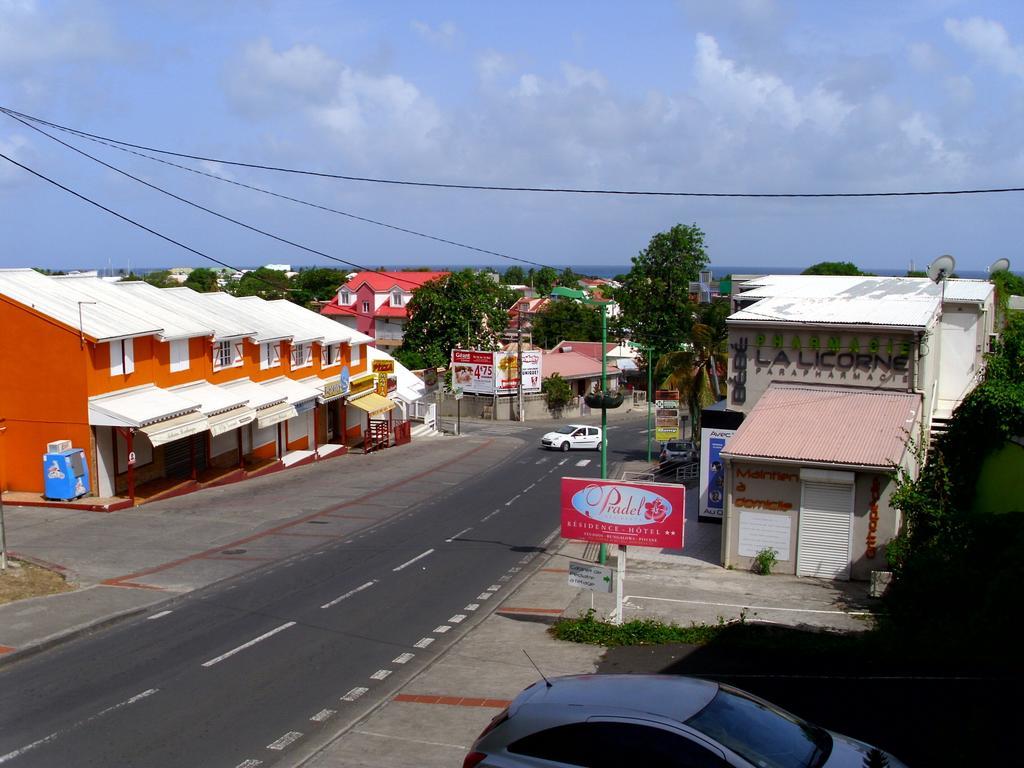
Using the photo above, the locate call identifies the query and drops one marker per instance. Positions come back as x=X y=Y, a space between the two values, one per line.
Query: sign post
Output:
x=623 y=513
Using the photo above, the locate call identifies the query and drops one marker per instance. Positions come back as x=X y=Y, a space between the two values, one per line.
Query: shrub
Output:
x=765 y=560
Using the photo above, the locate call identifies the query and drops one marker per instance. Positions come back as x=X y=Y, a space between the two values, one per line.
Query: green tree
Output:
x=514 y=275
x=317 y=284
x=463 y=309
x=655 y=296
x=833 y=268
x=696 y=369
x=202 y=280
x=557 y=391
x=569 y=279
x=1007 y=284
x=542 y=280
x=262 y=282
x=161 y=278
x=565 y=319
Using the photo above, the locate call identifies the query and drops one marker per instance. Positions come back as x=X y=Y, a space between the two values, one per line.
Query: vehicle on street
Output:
x=605 y=721
x=573 y=436
x=679 y=451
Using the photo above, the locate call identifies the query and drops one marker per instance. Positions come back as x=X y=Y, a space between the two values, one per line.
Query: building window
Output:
x=302 y=355
x=330 y=354
x=270 y=355
x=179 y=355
x=366 y=307
x=122 y=357
x=356 y=349
x=345 y=297
x=397 y=299
x=222 y=355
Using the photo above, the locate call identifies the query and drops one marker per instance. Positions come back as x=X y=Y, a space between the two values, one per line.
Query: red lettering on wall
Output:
x=872 y=540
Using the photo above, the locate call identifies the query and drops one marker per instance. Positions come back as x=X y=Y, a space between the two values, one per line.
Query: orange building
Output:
x=165 y=384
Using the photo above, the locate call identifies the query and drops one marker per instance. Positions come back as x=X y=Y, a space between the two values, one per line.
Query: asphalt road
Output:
x=269 y=665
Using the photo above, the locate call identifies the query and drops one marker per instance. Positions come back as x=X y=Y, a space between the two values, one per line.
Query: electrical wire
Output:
x=490 y=188
x=28 y=124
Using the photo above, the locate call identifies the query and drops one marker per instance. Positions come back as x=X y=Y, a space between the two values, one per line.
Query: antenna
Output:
x=546 y=681
x=941 y=268
x=999 y=265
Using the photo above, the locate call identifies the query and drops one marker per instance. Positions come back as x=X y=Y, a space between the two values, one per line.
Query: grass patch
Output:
x=592 y=631
x=22 y=580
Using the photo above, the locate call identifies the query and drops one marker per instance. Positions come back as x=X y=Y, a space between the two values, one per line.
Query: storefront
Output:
x=260 y=440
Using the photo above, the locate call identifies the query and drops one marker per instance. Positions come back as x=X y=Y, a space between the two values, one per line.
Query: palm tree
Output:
x=693 y=370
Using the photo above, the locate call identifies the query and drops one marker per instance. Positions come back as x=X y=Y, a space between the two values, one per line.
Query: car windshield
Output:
x=566 y=430
x=678 y=446
x=766 y=736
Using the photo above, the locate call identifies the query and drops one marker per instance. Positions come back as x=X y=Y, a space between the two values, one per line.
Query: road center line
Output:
x=488 y=516
x=453 y=538
x=510 y=501
x=407 y=563
x=158 y=615
x=527 y=488
x=249 y=644
x=56 y=734
x=348 y=594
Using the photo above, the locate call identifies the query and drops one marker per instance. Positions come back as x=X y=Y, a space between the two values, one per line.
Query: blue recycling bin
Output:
x=65 y=475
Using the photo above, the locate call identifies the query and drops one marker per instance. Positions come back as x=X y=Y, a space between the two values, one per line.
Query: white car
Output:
x=573 y=436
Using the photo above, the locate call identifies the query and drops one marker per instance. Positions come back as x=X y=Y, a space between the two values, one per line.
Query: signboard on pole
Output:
x=506 y=378
x=473 y=371
x=495 y=373
x=597 y=578
x=711 y=505
x=620 y=512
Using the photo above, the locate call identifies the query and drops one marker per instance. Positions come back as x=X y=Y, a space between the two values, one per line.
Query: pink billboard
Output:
x=620 y=512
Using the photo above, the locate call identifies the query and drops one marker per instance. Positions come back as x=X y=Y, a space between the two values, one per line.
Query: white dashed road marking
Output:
x=251 y=643
x=159 y=615
x=354 y=694
x=322 y=715
x=289 y=738
x=407 y=563
x=250 y=763
x=453 y=538
x=562 y=462
x=487 y=517
x=509 y=502
x=527 y=488
x=404 y=658
x=458 y=618
x=442 y=629
x=380 y=674
x=471 y=607
x=484 y=596
x=494 y=588
x=423 y=642
x=582 y=462
x=349 y=594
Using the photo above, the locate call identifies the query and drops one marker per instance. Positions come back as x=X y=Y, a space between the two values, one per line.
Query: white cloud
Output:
x=961 y=91
x=491 y=64
x=916 y=130
x=262 y=80
x=443 y=34
x=989 y=41
x=31 y=37
x=923 y=57
x=13 y=146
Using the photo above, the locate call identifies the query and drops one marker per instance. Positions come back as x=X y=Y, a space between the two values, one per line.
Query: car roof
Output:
x=670 y=696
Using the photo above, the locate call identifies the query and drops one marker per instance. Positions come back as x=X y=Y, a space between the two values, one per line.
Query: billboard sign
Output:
x=620 y=512
x=712 y=473
x=489 y=373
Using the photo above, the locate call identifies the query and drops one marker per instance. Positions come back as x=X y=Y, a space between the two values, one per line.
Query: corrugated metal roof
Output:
x=138 y=406
x=175 y=324
x=968 y=290
x=830 y=425
x=180 y=300
x=257 y=396
x=268 y=327
x=913 y=313
x=331 y=331
x=211 y=398
x=301 y=332
x=293 y=390
x=100 y=320
x=573 y=365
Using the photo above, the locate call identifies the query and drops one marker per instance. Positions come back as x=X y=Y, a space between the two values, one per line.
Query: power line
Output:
x=25 y=122
x=490 y=188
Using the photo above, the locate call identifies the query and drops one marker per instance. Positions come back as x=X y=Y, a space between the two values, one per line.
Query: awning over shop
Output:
x=169 y=430
x=272 y=407
x=226 y=409
x=147 y=409
x=294 y=392
x=274 y=414
x=329 y=389
x=373 y=404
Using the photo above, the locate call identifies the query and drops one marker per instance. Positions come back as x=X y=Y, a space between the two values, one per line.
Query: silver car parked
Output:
x=616 y=721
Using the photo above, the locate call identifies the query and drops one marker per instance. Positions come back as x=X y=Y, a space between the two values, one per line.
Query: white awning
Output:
x=226 y=409
x=257 y=396
x=294 y=391
x=161 y=432
x=274 y=414
x=139 y=407
x=328 y=389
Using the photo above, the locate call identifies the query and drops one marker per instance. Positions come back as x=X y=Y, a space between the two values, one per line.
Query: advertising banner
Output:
x=489 y=373
x=473 y=371
x=619 y=512
x=711 y=505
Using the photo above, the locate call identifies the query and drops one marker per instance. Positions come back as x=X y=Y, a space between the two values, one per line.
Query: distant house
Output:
x=581 y=371
x=527 y=309
x=375 y=303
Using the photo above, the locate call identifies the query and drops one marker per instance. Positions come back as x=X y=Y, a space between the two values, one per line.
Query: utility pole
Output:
x=519 y=360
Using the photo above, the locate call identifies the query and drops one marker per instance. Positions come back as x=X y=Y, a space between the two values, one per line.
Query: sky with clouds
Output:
x=752 y=96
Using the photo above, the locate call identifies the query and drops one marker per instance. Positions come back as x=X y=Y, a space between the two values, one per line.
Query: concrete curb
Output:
x=71 y=633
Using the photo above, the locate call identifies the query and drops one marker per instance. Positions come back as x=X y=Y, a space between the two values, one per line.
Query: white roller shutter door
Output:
x=825 y=530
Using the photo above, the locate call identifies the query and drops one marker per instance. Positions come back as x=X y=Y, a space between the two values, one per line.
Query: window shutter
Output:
x=129 y=355
x=116 y=358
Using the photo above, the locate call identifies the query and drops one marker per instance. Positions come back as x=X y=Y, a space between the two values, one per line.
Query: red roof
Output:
x=385 y=281
x=386 y=310
x=332 y=307
x=573 y=365
x=591 y=349
x=830 y=425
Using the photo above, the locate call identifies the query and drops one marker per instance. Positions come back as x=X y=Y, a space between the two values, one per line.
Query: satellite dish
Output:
x=941 y=268
x=999 y=265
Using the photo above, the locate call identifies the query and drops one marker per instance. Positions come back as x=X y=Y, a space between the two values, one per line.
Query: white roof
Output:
x=268 y=327
x=181 y=301
x=175 y=325
x=331 y=331
x=846 y=286
x=211 y=398
x=257 y=396
x=969 y=290
x=137 y=406
x=301 y=332
x=295 y=391
x=840 y=311
x=60 y=300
